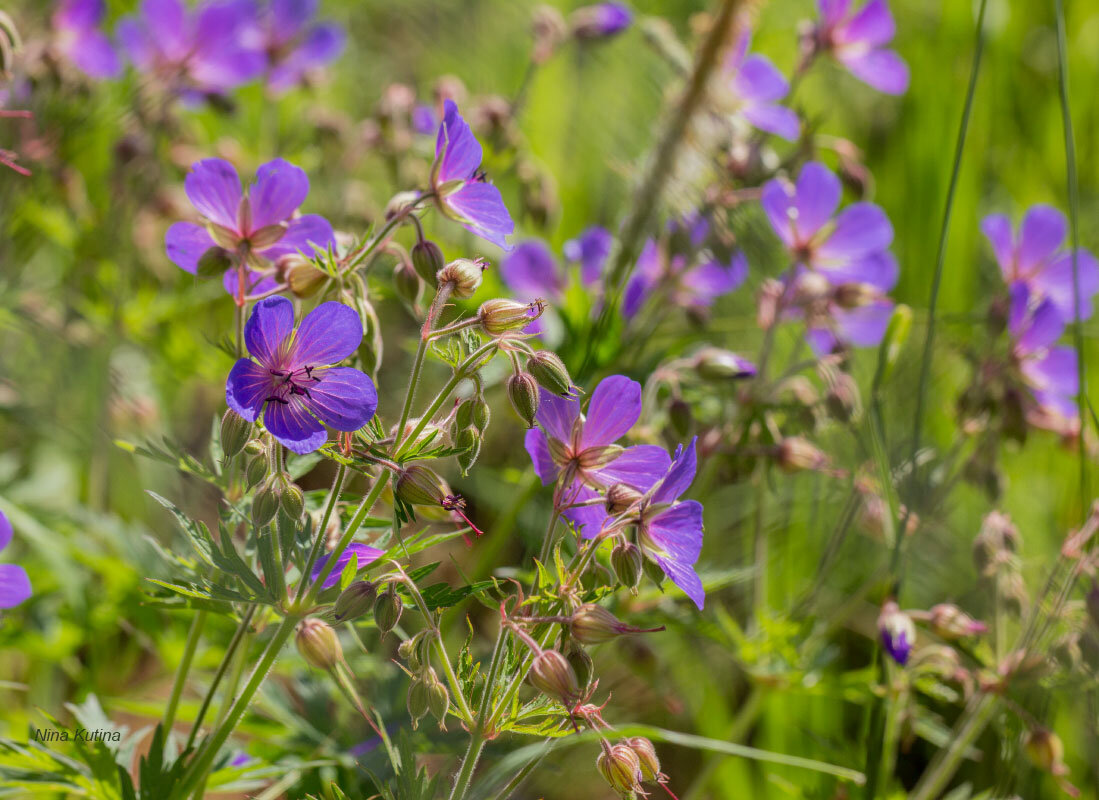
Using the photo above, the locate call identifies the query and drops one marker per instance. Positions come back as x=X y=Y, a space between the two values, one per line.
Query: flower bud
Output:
x=438 y=701
x=469 y=441
x=795 y=454
x=620 y=767
x=427 y=260
x=474 y=413
x=898 y=634
x=387 y=610
x=256 y=470
x=950 y=622
x=712 y=364
x=854 y=295
x=626 y=561
x=552 y=674
x=548 y=29
x=524 y=395
x=400 y=203
x=501 y=315
x=646 y=756
x=581 y=664
x=235 y=433
x=354 y=601
x=463 y=275
x=1045 y=750
x=418 y=701
x=318 y=643
x=265 y=505
x=213 y=263
x=292 y=500
x=680 y=417
x=621 y=497
x=593 y=624
x=407 y=284
x=842 y=400
x=600 y=21
x=421 y=486
x=551 y=373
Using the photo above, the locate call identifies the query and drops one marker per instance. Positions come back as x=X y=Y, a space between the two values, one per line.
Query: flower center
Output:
x=286 y=383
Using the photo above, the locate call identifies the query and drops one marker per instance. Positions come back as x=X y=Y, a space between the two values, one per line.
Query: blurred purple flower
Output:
x=590 y=249
x=1035 y=258
x=600 y=21
x=461 y=191
x=294 y=378
x=15 y=586
x=897 y=632
x=79 y=38
x=531 y=272
x=1051 y=372
x=669 y=530
x=258 y=226
x=424 y=119
x=363 y=553
x=756 y=87
x=195 y=52
x=858 y=40
x=852 y=248
x=690 y=287
x=285 y=31
x=578 y=452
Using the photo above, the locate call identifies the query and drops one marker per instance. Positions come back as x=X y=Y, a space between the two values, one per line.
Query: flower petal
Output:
x=279 y=189
x=15 y=586
x=1040 y=234
x=614 y=408
x=873 y=25
x=879 y=269
x=294 y=426
x=531 y=271
x=538 y=449
x=677 y=533
x=882 y=69
x=591 y=249
x=997 y=229
x=557 y=415
x=186 y=243
x=255 y=282
x=817 y=197
x=713 y=279
x=480 y=208
x=166 y=24
x=213 y=187
x=289 y=17
x=1055 y=371
x=777 y=199
x=5 y=530
x=861 y=229
x=344 y=398
x=863 y=326
x=760 y=81
x=306 y=234
x=776 y=119
x=456 y=147
x=329 y=333
x=640 y=466
x=1042 y=327
x=364 y=554
x=1058 y=283
x=680 y=476
x=267 y=330
x=588 y=520
x=247 y=387
x=94 y=54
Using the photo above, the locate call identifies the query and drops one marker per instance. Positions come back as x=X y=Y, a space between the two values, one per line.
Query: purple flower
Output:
x=669 y=530
x=1051 y=372
x=424 y=119
x=600 y=21
x=364 y=554
x=294 y=378
x=858 y=40
x=1035 y=258
x=15 y=586
x=194 y=52
x=577 y=451
x=897 y=632
x=690 y=287
x=590 y=249
x=292 y=42
x=258 y=226
x=531 y=272
x=461 y=191
x=79 y=38
x=755 y=87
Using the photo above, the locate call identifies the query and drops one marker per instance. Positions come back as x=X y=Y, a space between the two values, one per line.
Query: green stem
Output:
x=193 y=636
x=223 y=667
x=946 y=761
x=441 y=296
x=469 y=763
x=318 y=542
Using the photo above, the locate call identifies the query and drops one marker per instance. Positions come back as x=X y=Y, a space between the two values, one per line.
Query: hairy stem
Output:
x=193 y=637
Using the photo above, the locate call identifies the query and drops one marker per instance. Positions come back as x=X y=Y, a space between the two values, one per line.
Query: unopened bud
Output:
x=438 y=701
x=463 y=275
x=300 y=274
x=524 y=395
x=898 y=634
x=593 y=624
x=551 y=373
x=292 y=500
x=256 y=470
x=950 y=622
x=712 y=363
x=1045 y=750
x=620 y=767
x=582 y=665
x=469 y=442
x=421 y=486
x=213 y=263
x=600 y=20
x=407 y=284
x=387 y=610
x=680 y=417
x=235 y=433
x=318 y=643
x=626 y=561
x=621 y=497
x=400 y=203
x=265 y=505
x=418 y=701
x=354 y=601
x=427 y=260
x=501 y=315
x=646 y=755
x=796 y=454
x=411 y=650
x=552 y=674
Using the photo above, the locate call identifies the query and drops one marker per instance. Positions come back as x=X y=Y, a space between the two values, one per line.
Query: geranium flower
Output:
x=460 y=189
x=577 y=451
x=1035 y=258
x=754 y=88
x=194 y=52
x=293 y=43
x=693 y=287
x=600 y=21
x=365 y=554
x=1051 y=372
x=590 y=250
x=669 y=530
x=293 y=383
x=858 y=40
x=851 y=248
x=79 y=38
x=15 y=586
x=258 y=226
x=531 y=271
x=897 y=631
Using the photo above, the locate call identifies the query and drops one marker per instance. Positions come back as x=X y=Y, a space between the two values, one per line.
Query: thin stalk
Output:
x=318 y=542
x=223 y=667
x=759 y=542
x=441 y=296
x=194 y=634
x=469 y=763
x=946 y=760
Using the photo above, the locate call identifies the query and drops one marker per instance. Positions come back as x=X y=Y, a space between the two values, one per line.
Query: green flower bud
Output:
x=255 y=448
x=292 y=499
x=387 y=610
x=621 y=497
x=463 y=276
x=646 y=755
x=501 y=315
x=354 y=601
x=627 y=563
x=427 y=260
x=1045 y=750
x=680 y=417
x=418 y=701
x=470 y=441
x=235 y=433
x=582 y=665
x=620 y=767
x=421 y=486
x=407 y=284
x=524 y=395
x=714 y=364
x=256 y=470
x=318 y=643
x=213 y=263
x=552 y=674
x=409 y=650
x=265 y=505
x=593 y=624
x=550 y=371
x=438 y=701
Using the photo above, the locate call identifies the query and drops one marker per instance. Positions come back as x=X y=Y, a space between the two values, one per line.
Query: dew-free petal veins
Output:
x=214 y=189
x=531 y=271
x=15 y=586
x=480 y=209
x=557 y=415
x=279 y=189
x=364 y=554
x=816 y=198
x=679 y=475
x=860 y=229
x=271 y=322
x=186 y=243
x=329 y=333
x=305 y=234
x=614 y=408
x=456 y=147
x=537 y=448
x=293 y=425
x=638 y=466
x=344 y=398
x=1041 y=234
x=247 y=388
x=1058 y=282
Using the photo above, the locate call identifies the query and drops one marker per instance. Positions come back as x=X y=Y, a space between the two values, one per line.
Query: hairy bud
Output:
x=551 y=373
x=387 y=610
x=300 y=274
x=621 y=497
x=552 y=674
x=427 y=260
x=501 y=315
x=950 y=622
x=292 y=499
x=421 y=486
x=318 y=644
x=256 y=470
x=593 y=624
x=524 y=396
x=463 y=275
x=646 y=756
x=713 y=364
x=265 y=505
x=418 y=701
x=626 y=561
x=354 y=601
x=235 y=433
x=469 y=442
x=581 y=664
x=407 y=284
x=795 y=454
x=620 y=767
